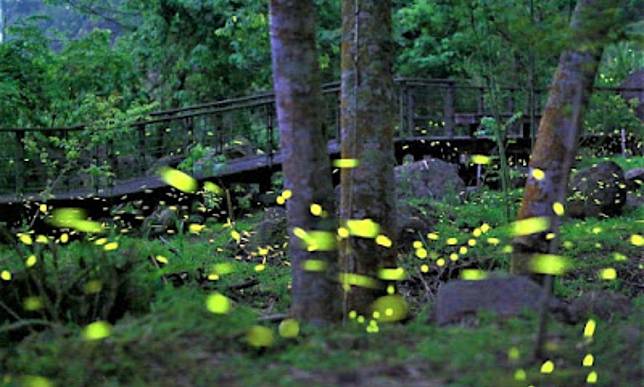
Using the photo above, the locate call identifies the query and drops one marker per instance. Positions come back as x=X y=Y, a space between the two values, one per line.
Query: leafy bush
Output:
x=77 y=284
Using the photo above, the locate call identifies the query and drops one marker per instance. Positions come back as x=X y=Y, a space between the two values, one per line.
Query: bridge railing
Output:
x=203 y=136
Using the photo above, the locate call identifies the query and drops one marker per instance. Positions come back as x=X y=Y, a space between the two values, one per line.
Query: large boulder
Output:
x=271 y=230
x=458 y=300
x=428 y=178
x=600 y=189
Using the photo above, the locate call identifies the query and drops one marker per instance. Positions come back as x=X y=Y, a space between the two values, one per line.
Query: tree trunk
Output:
x=368 y=117
x=315 y=294
x=560 y=127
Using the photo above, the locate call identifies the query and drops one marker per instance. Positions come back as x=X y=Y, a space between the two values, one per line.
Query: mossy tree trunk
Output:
x=315 y=294
x=368 y=117
x=561 y=124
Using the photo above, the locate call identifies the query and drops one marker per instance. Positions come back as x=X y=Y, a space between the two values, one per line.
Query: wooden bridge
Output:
x=436 y=117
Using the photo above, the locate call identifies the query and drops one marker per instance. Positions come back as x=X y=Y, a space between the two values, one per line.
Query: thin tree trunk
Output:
x=315 y=294
x=561 y=125
x=368 y=119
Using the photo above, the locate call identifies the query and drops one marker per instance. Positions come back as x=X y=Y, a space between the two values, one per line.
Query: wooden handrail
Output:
x=261 y=99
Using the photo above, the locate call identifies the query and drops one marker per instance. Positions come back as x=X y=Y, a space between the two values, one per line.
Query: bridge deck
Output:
x=229 y=171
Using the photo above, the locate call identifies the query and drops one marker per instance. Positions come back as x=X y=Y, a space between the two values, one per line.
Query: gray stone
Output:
x=429 y=178
x=506 y=297
x=634 y=200
x=238 y=148
x=165 y=161
x=600 y=189
x=161 y=220
x=634 y=178
x=411 y=221
x=603 y=304
x=271 y=230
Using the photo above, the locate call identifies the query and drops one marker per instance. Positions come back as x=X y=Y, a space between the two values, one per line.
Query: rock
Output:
x=603 y=304
x=165 y=161
x=507 y=297
x=519 y=177
x=600 y=189
x=129 y=164
x=161 y=220
x=428 y=178
x=635 y=81
x=239 y=147
x=209 y=164
x=634 y=200
x=634 y=178
x=266 y=199
x=272 y=230
x=411 y=221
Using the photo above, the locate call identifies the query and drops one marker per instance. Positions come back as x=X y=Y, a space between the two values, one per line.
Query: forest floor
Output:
x=165 y=335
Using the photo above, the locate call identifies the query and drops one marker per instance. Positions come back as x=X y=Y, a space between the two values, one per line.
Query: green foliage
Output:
x=76 y=284
x=24 y=78
x=109 y=129
x=196 y=50
x=40 y=87
x=609 y=113
x=441 y=39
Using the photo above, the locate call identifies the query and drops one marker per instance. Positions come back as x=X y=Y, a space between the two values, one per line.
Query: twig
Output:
x=9 y=310
x=229 y=203
x=274 y=317
x=172 y=249
x=422 y=280
x=24 y=323
x=154 y=261
x=244 y=285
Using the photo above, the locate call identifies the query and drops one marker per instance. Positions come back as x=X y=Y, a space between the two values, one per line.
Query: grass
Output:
x=170 y=338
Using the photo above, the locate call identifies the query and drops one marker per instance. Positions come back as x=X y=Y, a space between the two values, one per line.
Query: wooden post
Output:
x=67 y=178
x=410 y=112
x=449 y=109
x=481 y=103
x=140 y=130
x=190 y=138
x=511 y=110
x=511 y=102
x=112 y=161
x=220 y=133
x=96 y=160
x=20 y=161
x=623 y=141
x=269 y=130
x=402 y=96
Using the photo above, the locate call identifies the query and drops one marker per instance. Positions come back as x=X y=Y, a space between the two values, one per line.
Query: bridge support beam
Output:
x=19 y=136
x=449 y=110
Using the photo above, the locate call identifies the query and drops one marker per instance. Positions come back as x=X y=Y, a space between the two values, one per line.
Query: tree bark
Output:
x=315 y=295
x=368 y=116
x=561 y=125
